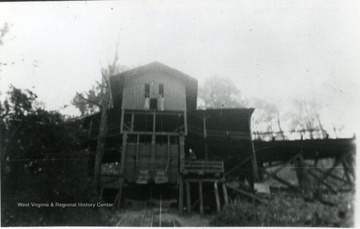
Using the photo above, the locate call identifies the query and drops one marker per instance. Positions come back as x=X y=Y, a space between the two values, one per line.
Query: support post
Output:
x=299 y=172
x=181 y=195
x=217 y=196
x=132 y=122
x=123 y=153
x=122 y=120
x=336 y=163
x=152 y=157
x=346 y=172
x=137 y=151
x=226 y=199
x=168 y=153
x=188 y=197
x=182 y=151
x=122 y=169
x=253 y=159
x=201 y=204
x=205 y=138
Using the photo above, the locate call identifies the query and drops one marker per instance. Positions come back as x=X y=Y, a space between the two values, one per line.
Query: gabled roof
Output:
x=117 y=81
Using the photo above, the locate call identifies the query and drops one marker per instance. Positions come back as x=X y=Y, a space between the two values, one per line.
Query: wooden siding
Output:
x=144 y=160
x=174 y=91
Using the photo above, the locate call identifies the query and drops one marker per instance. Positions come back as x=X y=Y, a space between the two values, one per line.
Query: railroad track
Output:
x=153 y=216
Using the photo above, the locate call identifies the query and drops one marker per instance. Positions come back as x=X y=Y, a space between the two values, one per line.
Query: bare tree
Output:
x=99 y=99
x=305 y=117
x=267 y=117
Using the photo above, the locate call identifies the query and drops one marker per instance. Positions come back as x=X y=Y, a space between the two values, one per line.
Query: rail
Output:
x=153 y=216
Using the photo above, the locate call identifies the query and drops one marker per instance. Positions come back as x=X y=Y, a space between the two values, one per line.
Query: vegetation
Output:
x=41 y=161
x=220 y=92
x=288 y=210
x=269 y=119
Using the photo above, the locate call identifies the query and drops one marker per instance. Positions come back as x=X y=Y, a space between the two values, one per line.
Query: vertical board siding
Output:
x=131 y=172
x=174 y=91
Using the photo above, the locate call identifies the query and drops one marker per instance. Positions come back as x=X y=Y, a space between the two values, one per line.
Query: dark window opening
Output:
x=147 y=90
x=153 y=104
x=161 y=90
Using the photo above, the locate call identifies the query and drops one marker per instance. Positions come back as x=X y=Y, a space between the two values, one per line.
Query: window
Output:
x=153 y=104
x=161 y=90
x=147 y=90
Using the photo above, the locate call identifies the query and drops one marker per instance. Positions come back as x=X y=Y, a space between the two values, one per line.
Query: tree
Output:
x=90 y=102
x=305 y=117
x=220 y=92
x=4 y=31
x=35 y=141
x=99 y=98
x=267 y=117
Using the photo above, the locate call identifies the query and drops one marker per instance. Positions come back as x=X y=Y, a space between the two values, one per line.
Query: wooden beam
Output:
x=154 y=122
x=132 y=122
x=185 y=122
x=323 y=182
x=205 y=138
x=346 y=172
x=122 y=121
x=181 y=194
x=123 y=153
x=137 y=150
x=152 y=133
x=238 y=165
x=188 y=197
x=330 y=175
x=226 y=199
x=152 y=157
x=286 y=163
x=255 y=170
x=211 y=180
x=117 y=202
x=337 y=162
x=280 y=180
x=300 y=173
x=217 y=196
x=182 y=152
x=246 y=193
x=168 y=153
x=201 y=204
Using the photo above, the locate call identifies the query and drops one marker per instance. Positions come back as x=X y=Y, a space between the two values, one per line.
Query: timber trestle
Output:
x=195 y=174
x=313 y=178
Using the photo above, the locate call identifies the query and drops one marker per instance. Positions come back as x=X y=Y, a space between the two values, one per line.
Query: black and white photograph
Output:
x=203 y=113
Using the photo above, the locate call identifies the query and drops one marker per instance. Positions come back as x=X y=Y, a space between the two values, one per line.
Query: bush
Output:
x=284 y=210
x=41 y=160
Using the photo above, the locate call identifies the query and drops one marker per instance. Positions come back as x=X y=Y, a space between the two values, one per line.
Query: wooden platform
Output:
x=269 y=151
x=200 y=172
x=215 y=168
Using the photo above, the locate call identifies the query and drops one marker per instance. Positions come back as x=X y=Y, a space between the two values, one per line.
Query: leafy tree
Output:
x=90 y=102
x=4 y=31
x=40 y=150
x=220 y=92
x=99 y=98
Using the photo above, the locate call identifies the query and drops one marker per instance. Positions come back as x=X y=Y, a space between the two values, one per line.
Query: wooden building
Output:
x=157 y=136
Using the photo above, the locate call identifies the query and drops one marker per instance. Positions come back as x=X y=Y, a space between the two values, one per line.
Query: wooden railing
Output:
x=203 y=167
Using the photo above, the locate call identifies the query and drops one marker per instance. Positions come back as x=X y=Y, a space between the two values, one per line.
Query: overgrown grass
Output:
x=286 y=210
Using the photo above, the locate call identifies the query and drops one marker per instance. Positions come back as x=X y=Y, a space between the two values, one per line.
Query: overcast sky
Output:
x=275 y=50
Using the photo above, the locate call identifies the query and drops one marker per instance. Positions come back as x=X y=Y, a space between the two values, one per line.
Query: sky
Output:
x=273 y=50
